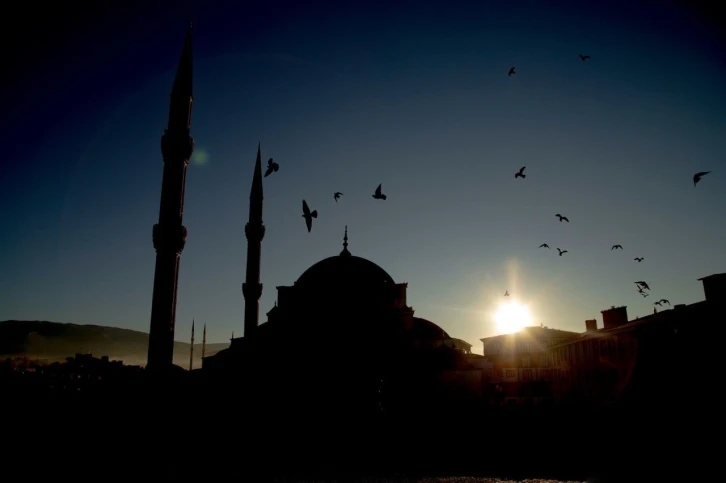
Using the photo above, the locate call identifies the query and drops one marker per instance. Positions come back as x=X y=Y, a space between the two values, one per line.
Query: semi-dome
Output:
x=425 y=329
x=345 y=269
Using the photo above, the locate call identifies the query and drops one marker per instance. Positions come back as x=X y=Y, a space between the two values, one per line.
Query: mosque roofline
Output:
x=528 y=328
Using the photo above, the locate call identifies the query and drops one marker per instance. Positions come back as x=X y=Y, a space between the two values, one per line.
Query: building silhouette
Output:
x=624 y=364
x=522 y=368
x=169 y=234
x=652 y=360
x=348 y=332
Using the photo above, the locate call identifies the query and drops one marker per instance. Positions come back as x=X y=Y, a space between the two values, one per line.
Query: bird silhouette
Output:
x=309 y=215
x=506 y=293
x=697 y=177
x=665 y=301
x=378 y=195
x=638 y=259
x=644 y=285
x=544 y=245
x=640 y=290
x=520 y=173
x=561 y=251
x=657 y=303
x=337 y=195
x=584 y=57
x=511 y=72
x=562 y=218
x=272 y=166
x=616 y=246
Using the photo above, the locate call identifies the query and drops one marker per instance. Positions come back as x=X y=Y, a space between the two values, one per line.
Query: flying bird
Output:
x=657 y=303
x=506 y=293
x=640 y=290
x=544 y=245
x=337 y=195
x=562 y=218
x=643 y=284
x=638 y=259
x=309 y=215
x=520 y=173
x=378 y=195
x=561 y=251
x=584 y=57
x=511 y=72
x=697 y=177
x=272 y=166
x=665 y=301
x=616 y=246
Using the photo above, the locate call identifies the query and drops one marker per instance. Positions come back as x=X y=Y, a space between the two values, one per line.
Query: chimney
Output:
x=614 y=317
x=591 y=325
x=714 y=288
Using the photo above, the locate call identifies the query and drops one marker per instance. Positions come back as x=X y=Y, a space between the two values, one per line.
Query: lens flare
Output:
x=511 y=317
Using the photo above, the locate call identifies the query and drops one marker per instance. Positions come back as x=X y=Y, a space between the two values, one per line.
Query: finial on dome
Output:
x=345 y=251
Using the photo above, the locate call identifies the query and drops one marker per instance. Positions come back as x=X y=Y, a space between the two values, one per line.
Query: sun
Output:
x=511 y=317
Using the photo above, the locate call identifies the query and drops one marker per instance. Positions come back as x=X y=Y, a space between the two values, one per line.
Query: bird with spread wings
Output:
x=309 y=215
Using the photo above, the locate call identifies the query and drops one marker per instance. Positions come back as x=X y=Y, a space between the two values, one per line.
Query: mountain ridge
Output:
x=54 y=341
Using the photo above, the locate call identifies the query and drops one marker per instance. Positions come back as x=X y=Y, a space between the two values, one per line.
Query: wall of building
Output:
x=594 y=370
x=522 y=369
x=714 y=288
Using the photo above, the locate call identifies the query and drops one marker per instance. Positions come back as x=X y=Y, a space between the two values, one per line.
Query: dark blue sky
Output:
x=414 y=96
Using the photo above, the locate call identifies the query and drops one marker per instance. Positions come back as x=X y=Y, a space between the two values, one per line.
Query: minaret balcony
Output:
x=176 y=146
x=252 y=291
x=169 y=237
x=254 y=232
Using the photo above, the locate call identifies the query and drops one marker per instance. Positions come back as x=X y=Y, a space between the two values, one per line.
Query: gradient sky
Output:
x=414 y=96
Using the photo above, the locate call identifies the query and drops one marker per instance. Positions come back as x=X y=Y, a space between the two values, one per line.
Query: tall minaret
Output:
x=255 y=232
x=204 y=340
x=191 y=349
x=169 y=234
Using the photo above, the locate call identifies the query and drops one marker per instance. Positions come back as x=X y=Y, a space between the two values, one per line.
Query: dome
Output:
x=345 y=269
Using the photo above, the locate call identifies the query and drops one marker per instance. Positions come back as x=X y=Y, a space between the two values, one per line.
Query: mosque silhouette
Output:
x=343 y=331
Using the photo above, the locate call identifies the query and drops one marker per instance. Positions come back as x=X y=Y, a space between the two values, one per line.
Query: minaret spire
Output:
x=204 y=340
x=255 y=232
x=345 y=252
x=180 y=109
x=169 y=234
x=256 y=194
x=191 y=349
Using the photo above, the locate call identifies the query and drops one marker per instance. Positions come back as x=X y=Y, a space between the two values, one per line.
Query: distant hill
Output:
x=54 y=341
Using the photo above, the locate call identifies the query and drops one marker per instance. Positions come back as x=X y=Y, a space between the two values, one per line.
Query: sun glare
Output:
x=511 y=317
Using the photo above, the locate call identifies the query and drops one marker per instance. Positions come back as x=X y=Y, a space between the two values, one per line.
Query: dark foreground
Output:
x=165 y=430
